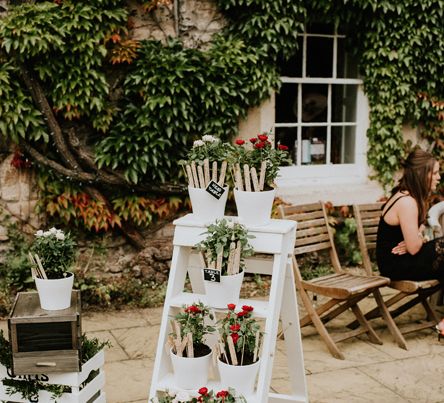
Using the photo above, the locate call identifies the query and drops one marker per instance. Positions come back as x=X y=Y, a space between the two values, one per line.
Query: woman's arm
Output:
x=407 y=211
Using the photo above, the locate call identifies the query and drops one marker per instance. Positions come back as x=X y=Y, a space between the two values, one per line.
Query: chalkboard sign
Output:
x=215 y=190
x=212 y=275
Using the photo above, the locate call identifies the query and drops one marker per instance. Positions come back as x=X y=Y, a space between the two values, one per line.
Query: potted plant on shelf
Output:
x=237 y=351
x=190 y=356
x=206 y=170
x=52 y=254
x=203 y=395
x=254 y=166
x=223 y=254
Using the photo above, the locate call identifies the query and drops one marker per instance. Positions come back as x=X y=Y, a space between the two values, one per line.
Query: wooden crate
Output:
x=93 y=391
x=44 y=341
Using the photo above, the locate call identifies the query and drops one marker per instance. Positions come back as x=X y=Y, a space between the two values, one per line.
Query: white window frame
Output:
x=341 y=173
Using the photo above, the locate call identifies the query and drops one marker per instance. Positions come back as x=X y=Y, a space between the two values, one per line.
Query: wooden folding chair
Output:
x=410 y=293
x=342 y=289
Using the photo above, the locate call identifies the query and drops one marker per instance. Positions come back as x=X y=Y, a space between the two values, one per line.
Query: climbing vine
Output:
x=85 y=99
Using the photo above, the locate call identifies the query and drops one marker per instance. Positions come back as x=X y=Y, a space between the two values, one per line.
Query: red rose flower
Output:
x=282 y=147
x=192 y=309
x=242 y=313
x=223 y=393
x=231 y=307
x=235 y=337
x=234 y=328
x=203 y=391
x=240 y=142
x=259 y=145
x=253 y=140
x=262 y=137
x=247 y=308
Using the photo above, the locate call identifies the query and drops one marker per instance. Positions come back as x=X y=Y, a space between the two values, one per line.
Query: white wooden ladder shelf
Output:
x=276 y=240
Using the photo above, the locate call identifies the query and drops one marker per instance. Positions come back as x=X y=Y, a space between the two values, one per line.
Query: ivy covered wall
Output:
x=97 y=108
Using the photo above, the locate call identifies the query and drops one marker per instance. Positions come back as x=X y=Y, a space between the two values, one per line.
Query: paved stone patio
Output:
x=370 y=373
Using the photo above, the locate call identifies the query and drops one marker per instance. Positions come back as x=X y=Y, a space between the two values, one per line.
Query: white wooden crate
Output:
x=71 y=379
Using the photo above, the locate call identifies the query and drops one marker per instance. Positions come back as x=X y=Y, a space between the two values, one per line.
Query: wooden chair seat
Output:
x=409 y=286
x=344 y=285
x=341 y=291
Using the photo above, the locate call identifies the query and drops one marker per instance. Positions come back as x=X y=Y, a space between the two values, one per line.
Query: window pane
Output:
x=347 y=66
x=286 y=104
x=319 y=57
x=344 y=103
x=318 y=28
x=293 y=66
x=343 y=143
x=314 y=145
x=288 y=137
x=314 y=102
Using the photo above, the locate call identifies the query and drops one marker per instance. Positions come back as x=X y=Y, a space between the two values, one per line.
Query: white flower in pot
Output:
x=255 y=165
x=223 y=253
x=52 y=255
x=206 y=170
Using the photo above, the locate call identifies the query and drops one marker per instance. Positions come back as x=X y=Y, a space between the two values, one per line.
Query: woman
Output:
x=401 y=251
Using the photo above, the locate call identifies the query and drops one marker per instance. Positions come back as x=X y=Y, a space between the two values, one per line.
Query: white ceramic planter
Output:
x=242 y=378
x=55 y=294
x=190 y=373
x=254 y=208
x=226 y=292
x=207 y=208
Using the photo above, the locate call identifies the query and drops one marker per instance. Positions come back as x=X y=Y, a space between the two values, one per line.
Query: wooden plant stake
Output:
x=190 y=349
x=247 y=178
x=262 y=175
x=169 y=344
x=190 y=177
x=222 y=349
x=214 y=172
x=220 y=257
x=232 y=351
x=238 y=176
x=207 y=171
x=195 y=177
x=254 y=179
x=256 y=347
x=40 y=270
x=202 y=260
x=243 y=350
x=201 y=176
x=237 y=256
x=231 y=258
x=223 y=172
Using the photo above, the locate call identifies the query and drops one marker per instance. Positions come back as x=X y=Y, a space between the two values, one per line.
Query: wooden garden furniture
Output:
x=343 y=290
x=409 y=293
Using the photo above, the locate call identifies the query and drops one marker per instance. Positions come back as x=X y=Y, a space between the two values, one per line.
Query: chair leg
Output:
x=374 y=338
x=385 y=313
x=331 y=345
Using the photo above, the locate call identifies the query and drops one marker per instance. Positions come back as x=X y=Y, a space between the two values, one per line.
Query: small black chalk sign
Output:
x=215 y=190
x=212 y=275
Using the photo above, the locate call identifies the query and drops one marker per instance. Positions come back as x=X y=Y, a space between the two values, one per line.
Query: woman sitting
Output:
x=401 y=250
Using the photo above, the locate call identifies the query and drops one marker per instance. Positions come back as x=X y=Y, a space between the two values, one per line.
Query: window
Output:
x=321 y=112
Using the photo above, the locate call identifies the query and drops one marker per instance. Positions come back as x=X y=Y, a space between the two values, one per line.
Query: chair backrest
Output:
x=313 y=231
x=367 y=220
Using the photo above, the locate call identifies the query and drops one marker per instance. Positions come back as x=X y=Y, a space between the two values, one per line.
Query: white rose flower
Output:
x=198 y=143
x=53 y=230
x=39 y=233
x=230 y=224
x=209 y=139
x=60 y=236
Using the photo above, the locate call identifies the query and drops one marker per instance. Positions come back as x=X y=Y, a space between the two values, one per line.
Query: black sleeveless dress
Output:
x=427 y=264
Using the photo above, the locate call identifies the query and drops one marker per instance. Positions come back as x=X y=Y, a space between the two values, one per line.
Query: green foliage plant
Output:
x=218 y=242
x=56 y=250
x=259 y=150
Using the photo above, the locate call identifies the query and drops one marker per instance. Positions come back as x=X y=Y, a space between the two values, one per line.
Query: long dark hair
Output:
x=417 y=179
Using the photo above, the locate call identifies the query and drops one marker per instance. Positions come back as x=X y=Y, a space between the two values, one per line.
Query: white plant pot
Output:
x=219 y=295
x=241 y=378
x=190 y=373
x=207 y=208
x=254 y=208
x=55 y=294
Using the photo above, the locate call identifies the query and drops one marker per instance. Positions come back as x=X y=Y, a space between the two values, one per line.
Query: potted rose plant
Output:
x=52 y=255
x=237 y=351
x=203 y=395
x=223 y=254
x=190 y=356
x=254 y=166
x=206 y=170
